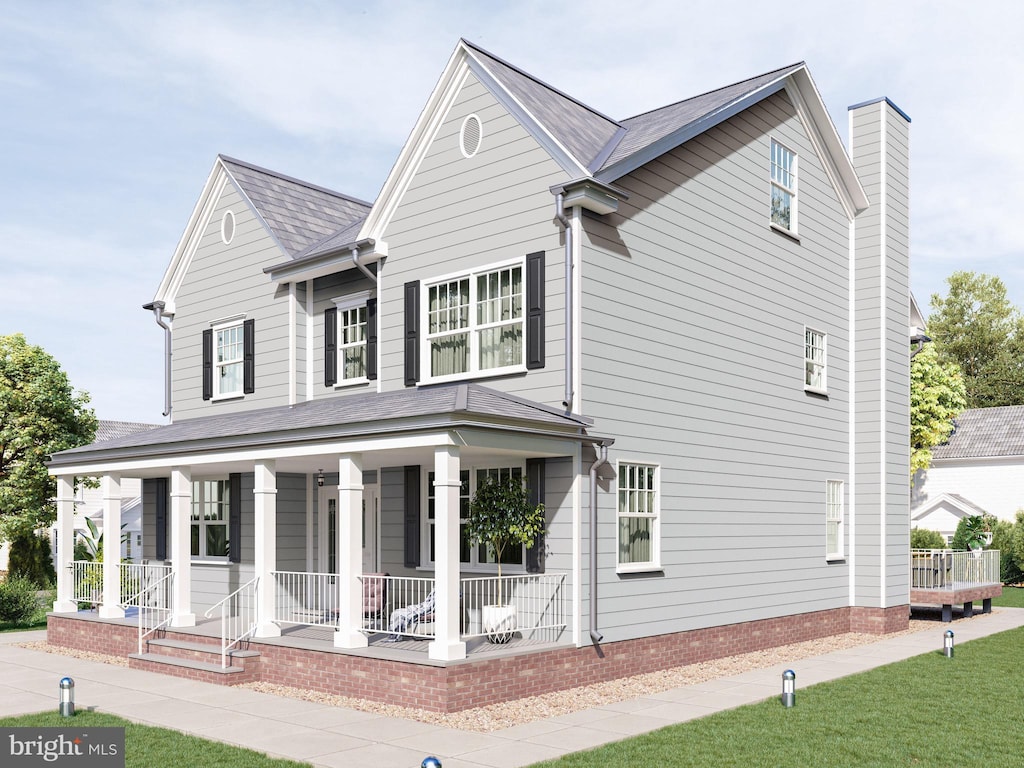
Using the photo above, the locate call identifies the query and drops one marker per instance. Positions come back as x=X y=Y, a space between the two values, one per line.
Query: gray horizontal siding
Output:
x=693 y=331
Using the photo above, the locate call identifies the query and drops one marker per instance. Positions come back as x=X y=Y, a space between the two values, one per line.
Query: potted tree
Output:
x=501 y=515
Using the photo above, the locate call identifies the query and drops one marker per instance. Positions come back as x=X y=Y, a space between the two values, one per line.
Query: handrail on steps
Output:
x=237 y=618
x=153 y=602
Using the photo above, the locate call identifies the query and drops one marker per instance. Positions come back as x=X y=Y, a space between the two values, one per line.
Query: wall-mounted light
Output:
x=320 y=478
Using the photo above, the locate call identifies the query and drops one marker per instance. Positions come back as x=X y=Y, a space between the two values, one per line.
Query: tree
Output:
x=937 y=396
x=922 y=538
x=40 y=414
x=978 y=328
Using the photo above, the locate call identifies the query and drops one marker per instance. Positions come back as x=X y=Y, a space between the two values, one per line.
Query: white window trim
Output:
x=472 y=329
x=823 y=389
x=474 y=566
x=235 y=321
x=792 y=191
x=342 y=304
x=198 y=482
x=227 y=233
x=655 y=564
x=840 y=538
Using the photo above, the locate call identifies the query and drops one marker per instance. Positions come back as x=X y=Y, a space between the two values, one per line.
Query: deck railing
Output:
x=950 y=569
x=237 y=617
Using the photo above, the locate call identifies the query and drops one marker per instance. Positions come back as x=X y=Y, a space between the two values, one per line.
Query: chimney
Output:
x=880 y=520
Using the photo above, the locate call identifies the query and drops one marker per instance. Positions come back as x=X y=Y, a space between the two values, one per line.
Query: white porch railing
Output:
x=953 y=569
x=237 y=617
x=137 y=578
x=88 y=581
x=154 y=604
x=537 y=599
x=383 y=595
x=305 y=598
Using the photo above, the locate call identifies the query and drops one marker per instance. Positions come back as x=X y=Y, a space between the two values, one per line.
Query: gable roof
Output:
x=985 y=433
x=299 y=214
x=957 y=504
x=365 y=414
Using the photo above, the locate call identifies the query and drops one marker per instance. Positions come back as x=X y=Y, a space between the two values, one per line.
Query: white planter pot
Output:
x=499 y=622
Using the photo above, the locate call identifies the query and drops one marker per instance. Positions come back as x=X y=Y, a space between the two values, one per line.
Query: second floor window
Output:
x=227 y=361
x=783 y=187
x=475 y=322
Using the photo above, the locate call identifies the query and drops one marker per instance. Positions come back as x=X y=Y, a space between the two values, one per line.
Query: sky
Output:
x=111 y=115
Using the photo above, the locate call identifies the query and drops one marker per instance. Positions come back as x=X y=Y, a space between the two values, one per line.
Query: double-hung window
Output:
x=475 y=323
x=815 y=361
x=211 y=501
x=638 y=517
x=480 y=556
x=228 y=346
x=352 y=335
x=783 y=199
x=834 y=519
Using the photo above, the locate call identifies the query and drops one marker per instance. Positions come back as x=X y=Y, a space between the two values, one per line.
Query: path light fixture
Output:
x=430 y=762
x=947 y=644
x=67 y=697
x=788 y=688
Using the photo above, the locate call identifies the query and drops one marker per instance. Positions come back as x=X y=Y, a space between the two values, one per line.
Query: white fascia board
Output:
x=188 y=243
x=416 y=146
x=827 y=144
x=527 y=443
x=559 y=153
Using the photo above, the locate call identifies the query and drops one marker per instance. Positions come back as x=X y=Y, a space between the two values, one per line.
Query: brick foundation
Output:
x=466 y=684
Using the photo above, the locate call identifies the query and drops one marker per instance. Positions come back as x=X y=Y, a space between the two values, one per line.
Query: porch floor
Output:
x=321 y=639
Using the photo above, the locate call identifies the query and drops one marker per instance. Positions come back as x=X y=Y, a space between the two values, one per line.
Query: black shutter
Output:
x=371 y=339
x=208 y=364
x=158 y=487
x=249 y=357
x=235 y=518
x=412 y=517
x=412 y=333
x=330 y=347
x=535 y=484
x=535 y=310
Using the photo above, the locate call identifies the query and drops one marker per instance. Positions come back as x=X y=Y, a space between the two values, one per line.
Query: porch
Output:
x=950 y=577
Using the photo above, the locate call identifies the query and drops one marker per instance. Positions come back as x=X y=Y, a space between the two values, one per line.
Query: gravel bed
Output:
x=103 y=658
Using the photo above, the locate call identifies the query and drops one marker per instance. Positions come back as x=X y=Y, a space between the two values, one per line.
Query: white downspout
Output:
x=158 y=313
x=567 y=401
x=361 y=266
x=602 y=458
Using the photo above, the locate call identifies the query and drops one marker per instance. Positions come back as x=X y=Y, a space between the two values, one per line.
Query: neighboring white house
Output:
x=979 y=469
x=89 y=501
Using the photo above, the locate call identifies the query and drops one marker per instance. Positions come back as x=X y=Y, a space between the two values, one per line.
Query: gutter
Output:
x=158 y=313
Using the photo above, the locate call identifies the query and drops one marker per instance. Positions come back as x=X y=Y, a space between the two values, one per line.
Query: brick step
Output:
x=207 y=671
x=198 y=651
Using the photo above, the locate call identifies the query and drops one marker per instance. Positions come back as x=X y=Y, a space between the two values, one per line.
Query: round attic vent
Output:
x=472 y=132
x=227 y=227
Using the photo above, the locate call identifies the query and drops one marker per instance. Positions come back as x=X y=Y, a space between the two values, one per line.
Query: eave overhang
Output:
x=329 y=262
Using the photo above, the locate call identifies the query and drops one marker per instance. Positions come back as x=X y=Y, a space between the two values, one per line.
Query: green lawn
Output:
x=925 y=712
x=1013 y=597
x=146 y=746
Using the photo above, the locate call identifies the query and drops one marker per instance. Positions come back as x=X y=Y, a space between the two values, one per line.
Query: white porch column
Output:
x=181 y=547
x=265 y=497
x=65 y=545
x=350 y=552
x=446 y=645
x=110 y=608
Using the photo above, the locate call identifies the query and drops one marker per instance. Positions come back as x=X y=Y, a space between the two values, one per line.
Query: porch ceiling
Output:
x=389 y=429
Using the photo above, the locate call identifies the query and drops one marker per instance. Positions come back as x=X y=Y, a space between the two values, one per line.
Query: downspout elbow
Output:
x=362 y=267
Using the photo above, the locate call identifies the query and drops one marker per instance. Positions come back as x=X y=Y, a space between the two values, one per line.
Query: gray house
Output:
x=685 y=330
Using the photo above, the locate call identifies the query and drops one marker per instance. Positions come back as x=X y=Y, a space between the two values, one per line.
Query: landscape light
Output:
x=947 y=644
x=67 y=697
x=788 y=688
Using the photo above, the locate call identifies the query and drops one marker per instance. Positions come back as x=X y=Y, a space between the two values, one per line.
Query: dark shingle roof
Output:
x=985 y=432
x=112 y=430
x=584 y=131
x=298 y=213
x=650 y=127
x=338 y=417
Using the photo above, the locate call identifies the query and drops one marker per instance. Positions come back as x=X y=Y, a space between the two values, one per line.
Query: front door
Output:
x=329 y=527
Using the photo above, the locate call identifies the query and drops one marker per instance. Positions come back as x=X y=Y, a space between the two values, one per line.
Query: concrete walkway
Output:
x=332 y=736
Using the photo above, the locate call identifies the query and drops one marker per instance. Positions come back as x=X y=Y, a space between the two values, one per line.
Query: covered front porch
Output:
x=340 y=522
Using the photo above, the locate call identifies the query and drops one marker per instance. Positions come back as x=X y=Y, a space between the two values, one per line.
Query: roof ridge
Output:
x=540 y=82
x=714 y=90
x=294 y=180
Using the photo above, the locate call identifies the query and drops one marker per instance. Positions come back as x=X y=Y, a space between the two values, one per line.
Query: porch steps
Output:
x=198 y=661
